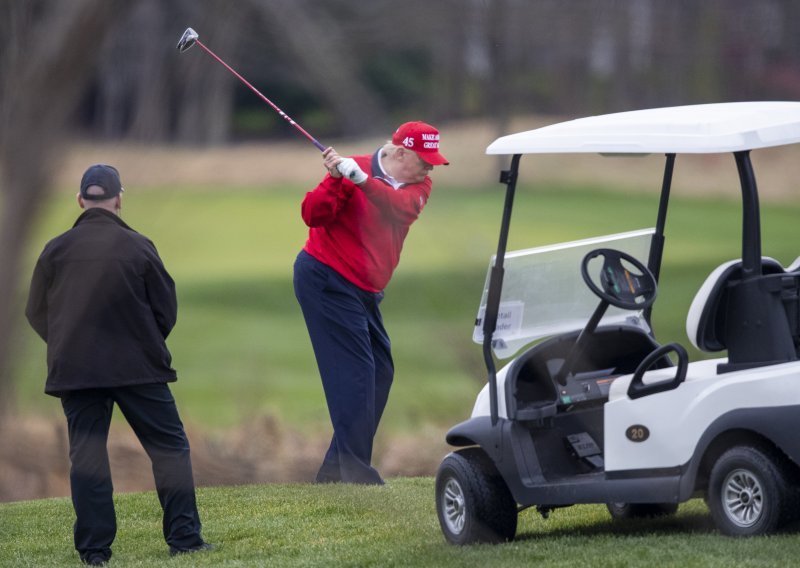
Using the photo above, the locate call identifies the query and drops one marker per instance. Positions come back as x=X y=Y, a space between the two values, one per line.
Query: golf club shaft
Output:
x=288 y=119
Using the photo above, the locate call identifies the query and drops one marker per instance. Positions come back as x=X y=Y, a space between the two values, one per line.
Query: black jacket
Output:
x=103 y=302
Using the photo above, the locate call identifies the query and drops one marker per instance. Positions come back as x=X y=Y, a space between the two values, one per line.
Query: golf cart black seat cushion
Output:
x=706 y=320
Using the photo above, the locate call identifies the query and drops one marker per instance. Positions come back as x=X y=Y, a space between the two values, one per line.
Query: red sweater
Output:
x=359 y=231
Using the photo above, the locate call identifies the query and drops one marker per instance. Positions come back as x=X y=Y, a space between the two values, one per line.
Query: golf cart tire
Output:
x=621 y=511
x=473 y=502
x=747 y=492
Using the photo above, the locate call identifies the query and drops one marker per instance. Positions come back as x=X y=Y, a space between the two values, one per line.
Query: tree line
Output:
x=344 y=67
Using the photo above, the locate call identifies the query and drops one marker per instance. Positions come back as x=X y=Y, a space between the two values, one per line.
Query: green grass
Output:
x=340 y=525
x=240 y=346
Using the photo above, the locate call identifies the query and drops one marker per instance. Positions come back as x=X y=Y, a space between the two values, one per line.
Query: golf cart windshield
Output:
x=543 y=293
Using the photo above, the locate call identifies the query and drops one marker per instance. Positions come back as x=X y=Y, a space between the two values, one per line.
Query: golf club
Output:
x=190 y=37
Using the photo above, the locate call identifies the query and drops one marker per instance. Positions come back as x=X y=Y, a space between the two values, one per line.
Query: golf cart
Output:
x=594 y=409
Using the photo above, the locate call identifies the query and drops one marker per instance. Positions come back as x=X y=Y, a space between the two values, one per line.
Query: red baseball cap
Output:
x=421 y=138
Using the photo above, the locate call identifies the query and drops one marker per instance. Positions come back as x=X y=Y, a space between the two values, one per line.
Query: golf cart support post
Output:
x=509 y=177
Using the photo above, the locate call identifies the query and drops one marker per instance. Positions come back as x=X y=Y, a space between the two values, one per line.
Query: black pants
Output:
x=354 y=357
x=151 y=412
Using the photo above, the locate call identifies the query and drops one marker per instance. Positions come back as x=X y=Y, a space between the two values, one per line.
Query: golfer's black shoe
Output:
x=95 y=559
x=205 y=547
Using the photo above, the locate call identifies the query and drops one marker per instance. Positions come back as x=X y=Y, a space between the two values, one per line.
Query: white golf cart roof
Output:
x=694 y=129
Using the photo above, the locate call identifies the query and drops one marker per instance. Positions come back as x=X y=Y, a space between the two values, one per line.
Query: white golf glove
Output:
x=349 y=169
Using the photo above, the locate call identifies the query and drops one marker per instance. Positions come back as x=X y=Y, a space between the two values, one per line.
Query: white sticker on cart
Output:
x=509 y=321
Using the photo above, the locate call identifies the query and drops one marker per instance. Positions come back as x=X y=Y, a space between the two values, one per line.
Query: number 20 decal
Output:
x=637 y=433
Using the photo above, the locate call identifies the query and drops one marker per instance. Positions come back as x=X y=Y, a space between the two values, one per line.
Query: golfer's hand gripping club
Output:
x=350 y=169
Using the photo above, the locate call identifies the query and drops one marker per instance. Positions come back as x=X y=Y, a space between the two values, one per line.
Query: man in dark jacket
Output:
x=103 y=302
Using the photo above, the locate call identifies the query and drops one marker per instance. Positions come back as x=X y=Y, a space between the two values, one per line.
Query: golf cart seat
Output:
x=755 y=318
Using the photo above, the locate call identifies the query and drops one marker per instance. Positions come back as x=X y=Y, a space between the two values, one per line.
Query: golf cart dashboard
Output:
x=586 y=387
x=533 y=392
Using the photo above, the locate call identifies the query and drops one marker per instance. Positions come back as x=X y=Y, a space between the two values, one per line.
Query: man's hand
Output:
x=329 y=159
x=350 y=169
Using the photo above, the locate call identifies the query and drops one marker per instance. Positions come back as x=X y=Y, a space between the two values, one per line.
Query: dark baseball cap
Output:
x=103 y=176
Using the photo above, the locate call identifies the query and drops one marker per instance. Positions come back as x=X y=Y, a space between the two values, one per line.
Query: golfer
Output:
x=104 y=304
x=358 y=218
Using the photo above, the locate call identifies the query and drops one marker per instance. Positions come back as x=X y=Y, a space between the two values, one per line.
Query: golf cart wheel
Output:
x=641 y=510
x=473 y=502
x=746 y=492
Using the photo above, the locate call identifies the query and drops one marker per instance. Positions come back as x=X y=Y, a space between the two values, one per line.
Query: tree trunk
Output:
x=205 y=89
x=149 y=114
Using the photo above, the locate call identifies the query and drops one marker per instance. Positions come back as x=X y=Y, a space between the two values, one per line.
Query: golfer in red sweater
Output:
x=358 y=218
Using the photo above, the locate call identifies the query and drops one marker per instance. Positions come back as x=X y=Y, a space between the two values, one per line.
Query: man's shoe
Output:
x=96 y=559
x=205 y=547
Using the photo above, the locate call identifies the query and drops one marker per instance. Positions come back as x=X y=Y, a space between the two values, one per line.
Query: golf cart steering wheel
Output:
x=619 y=286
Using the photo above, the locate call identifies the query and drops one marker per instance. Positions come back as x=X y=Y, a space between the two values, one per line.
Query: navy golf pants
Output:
x=151 y=412
x=354 y=357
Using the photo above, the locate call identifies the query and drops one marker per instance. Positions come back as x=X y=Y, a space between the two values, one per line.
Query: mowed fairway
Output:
x=392 y=526
x=240 y=346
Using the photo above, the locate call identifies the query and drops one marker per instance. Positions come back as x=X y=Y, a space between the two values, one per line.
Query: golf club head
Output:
x=187 y=40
